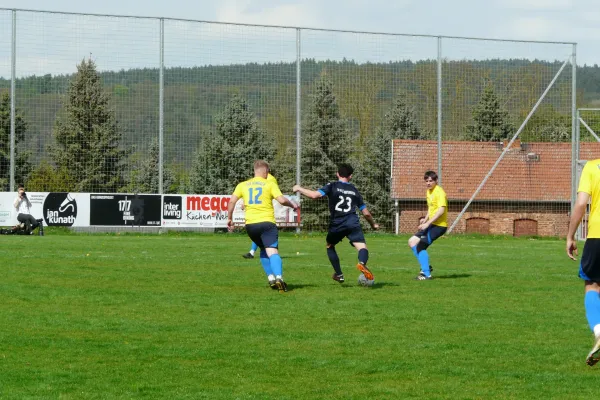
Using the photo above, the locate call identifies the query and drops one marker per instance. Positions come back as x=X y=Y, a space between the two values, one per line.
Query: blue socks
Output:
x=276 y=264
x=363 y=256
x=592 y=308
x=334 y=259
x=423 y=258
x=266 y=263
x=254 y=247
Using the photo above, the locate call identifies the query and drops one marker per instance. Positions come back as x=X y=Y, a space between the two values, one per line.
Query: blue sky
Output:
x=45 y=42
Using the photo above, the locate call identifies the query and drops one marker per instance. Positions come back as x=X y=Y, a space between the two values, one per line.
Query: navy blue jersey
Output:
x=343 y=199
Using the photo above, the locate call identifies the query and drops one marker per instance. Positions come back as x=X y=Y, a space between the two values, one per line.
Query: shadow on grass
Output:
x=452 y=276
x=380 y=285
x=376 y=285
x=295 y=286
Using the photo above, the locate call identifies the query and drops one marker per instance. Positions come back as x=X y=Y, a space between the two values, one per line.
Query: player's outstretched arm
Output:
x=367 y=214
x=576 y=216
x=284 y=201
x=313 y=194
x=230 y=207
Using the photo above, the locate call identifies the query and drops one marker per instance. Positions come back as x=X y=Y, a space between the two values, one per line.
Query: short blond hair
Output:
x=260 y=164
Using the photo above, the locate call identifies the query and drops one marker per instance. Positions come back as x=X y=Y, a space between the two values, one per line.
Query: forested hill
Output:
x=194 y=96
x=588 y=77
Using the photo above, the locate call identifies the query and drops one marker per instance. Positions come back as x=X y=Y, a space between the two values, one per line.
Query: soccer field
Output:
x=185 y=316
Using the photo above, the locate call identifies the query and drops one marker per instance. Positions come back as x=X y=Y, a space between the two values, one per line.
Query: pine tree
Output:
x=491 y=122
x=326 y=142
x=87 y=137
x=22 y=164
x=146 y=177
x=373 y=177
x=226 y=157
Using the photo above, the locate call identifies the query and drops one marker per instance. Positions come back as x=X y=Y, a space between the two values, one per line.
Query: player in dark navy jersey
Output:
x=344 y=199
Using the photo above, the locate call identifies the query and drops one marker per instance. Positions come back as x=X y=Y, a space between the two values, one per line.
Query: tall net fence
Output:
x=522 y=91
x=587 y=142
x=506 y=146
x=114 y=104
x=230 y=98
x=359 y=91
x=5 y=74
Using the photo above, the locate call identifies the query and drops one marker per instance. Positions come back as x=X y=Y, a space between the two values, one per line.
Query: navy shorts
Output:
x=589 y=269
x=354 y=235
x=430 y=234
x=264 y=234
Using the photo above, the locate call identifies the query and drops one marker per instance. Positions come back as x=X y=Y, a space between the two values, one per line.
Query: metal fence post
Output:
x=439 y=107
x=298 y=111
x=161 y=100
x=574 y=125
x=13 y=78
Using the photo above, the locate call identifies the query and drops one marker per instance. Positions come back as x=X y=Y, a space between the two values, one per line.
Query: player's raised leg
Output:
x=419 y=249
x=363 y=258
x=357 y=239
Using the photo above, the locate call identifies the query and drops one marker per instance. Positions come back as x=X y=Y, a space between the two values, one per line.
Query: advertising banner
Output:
x=56 y=208
x=108 y=209
x=211 y=211
x=125 y=209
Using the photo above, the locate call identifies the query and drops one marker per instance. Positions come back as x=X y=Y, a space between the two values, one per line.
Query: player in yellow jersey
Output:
x=254 y=246
x=589 y=268
x=432 y=226
x=258 y=194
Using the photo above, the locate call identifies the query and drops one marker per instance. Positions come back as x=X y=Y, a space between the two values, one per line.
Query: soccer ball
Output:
x=363 y=281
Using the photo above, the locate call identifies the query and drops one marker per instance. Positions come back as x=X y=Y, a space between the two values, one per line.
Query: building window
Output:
x=525 y=227
x=478 y=225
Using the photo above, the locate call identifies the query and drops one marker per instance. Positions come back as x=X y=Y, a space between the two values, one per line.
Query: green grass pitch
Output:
x=186 y=317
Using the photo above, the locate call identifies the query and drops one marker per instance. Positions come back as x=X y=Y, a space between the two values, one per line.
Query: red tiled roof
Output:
x=528 y=171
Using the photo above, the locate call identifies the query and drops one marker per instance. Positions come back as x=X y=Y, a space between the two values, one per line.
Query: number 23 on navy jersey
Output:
x=343 y=199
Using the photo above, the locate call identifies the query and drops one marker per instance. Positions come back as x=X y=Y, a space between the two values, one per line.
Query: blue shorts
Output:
x=264 y=234
x=589 y=268
x=354 y=235
x=430 y=234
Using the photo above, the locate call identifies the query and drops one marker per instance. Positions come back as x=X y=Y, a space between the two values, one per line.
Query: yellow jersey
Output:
x=436 y=198
x=258 y=194
x=589 y=183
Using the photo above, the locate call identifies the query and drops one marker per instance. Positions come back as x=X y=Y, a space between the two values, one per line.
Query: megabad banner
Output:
x=211 y=211
x=107 y=209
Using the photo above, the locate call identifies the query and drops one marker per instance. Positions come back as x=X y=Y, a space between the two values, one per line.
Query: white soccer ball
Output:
x=363 y=281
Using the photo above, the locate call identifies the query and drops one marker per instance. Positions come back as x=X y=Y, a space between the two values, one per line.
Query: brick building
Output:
x=529 y=193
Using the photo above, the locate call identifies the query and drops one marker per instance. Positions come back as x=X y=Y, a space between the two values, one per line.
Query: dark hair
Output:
x=21 y=186
x=431 y=174
x=345 y=170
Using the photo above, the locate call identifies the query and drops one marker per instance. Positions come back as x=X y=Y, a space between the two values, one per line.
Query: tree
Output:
x=47 y=178
x=226 y=157
x=145 y=178
x=326 y=142
x=373 y=176
x=22 y=164
x=491 y=122
x=87 y=136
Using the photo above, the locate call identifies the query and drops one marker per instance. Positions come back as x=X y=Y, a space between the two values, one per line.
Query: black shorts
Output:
x=589 y=269
x=354 y=235
x=264 y=234
x=430 y=234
